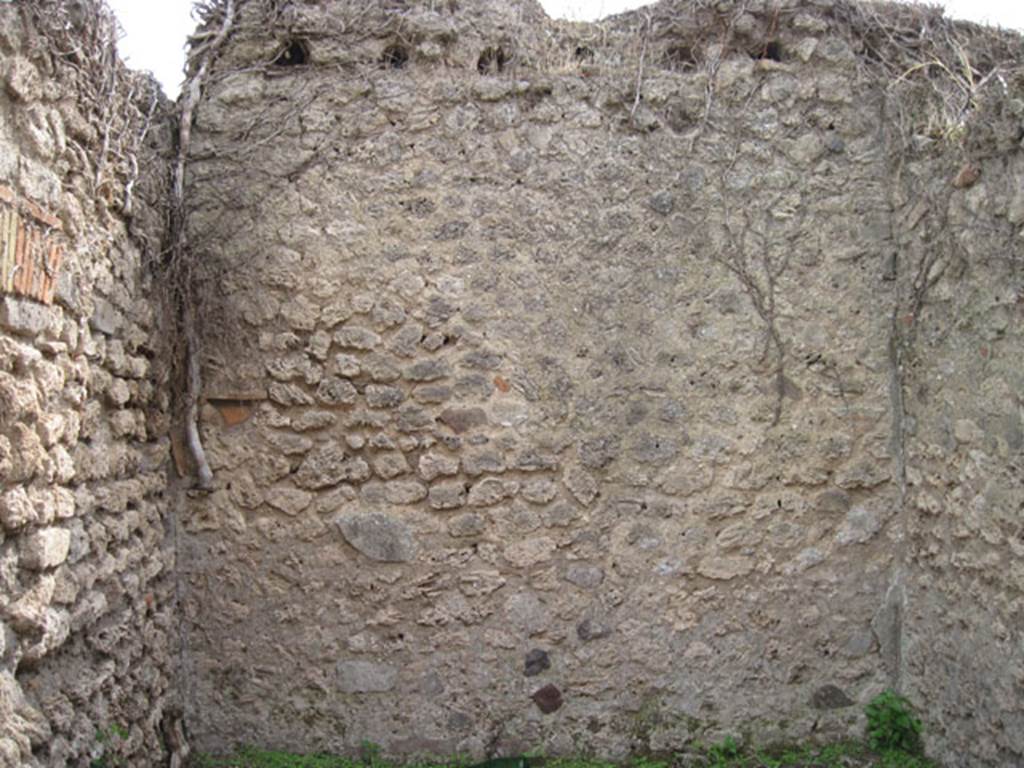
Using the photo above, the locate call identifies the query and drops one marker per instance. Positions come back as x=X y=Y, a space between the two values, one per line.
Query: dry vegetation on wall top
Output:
x=941 y=73
x=121 y=109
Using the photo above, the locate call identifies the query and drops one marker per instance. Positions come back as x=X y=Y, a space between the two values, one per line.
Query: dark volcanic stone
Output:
x=428 y=370
x=830 y=697
x=548 y=699
x=588 y=630
x=536 y=662
x=462 y=419
x=662 y=202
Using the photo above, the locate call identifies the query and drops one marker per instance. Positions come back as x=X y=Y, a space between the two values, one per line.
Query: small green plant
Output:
x=250 y=757
x=370 y=754
x=892 y=725
x=725 y=753
x=647 y=762
x=107 y=740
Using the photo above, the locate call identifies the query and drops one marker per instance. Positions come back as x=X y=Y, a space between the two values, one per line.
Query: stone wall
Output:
x=86 y=593
x=965 y=503
x=555 y=378
x=575 y=388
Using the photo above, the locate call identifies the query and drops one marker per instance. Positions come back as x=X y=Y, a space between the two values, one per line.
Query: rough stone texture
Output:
x=646 y=354
x=378 y=536
x=366 y=677
x=960 y=598
x=87 y=601
x=641 y=344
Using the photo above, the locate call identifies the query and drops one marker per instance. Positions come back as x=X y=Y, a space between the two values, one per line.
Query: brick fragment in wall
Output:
x=31 y=248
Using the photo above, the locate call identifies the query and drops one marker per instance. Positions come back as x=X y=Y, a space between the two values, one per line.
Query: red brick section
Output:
x=233 y=412
x=30 y=248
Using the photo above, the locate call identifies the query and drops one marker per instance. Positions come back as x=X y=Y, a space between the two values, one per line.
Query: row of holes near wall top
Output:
x=296 y=53
x=493 y=59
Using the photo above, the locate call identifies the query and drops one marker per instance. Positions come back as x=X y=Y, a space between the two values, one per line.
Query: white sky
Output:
x=155 y=30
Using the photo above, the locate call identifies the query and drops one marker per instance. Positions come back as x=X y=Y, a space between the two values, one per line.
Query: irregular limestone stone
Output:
x=428 y=370
x=46 y=548
x=433 y=465
x=106 y=318
x=381 y=369
x=346 y=365
x=22 y=80
x=319 y=345
x=582 y=485
x=539 y=491
x=863 y=474
x=529 y=552
x=860 y=525
x=834 y=502
x=336 y=313
x=293 y=367
x=24 y=317
x=19 y=399
x=300 y=313
x=432 y=394
x=526 y=612
x=461 y=420
x=378 y=536
x=290 y=444
x=686 y=479
x=534 y=461
x=21 y=717
x=16 y=509
x=391 y=465
x=489 y=492
x=722 y=568
x=387 y=313
x=404 y=491
x=310 y=421
x=336 y=391
x=584 y=576
x=366 y=677
x=412 y=418
x=289 y=500
x=329 y=465
x=289 y=394
x=406 y=340
x=28 y=612
x=53 y=631
x=447 y=495
x=383 y=396
x=354 y=337
x=467 y=525
x=483 y=462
